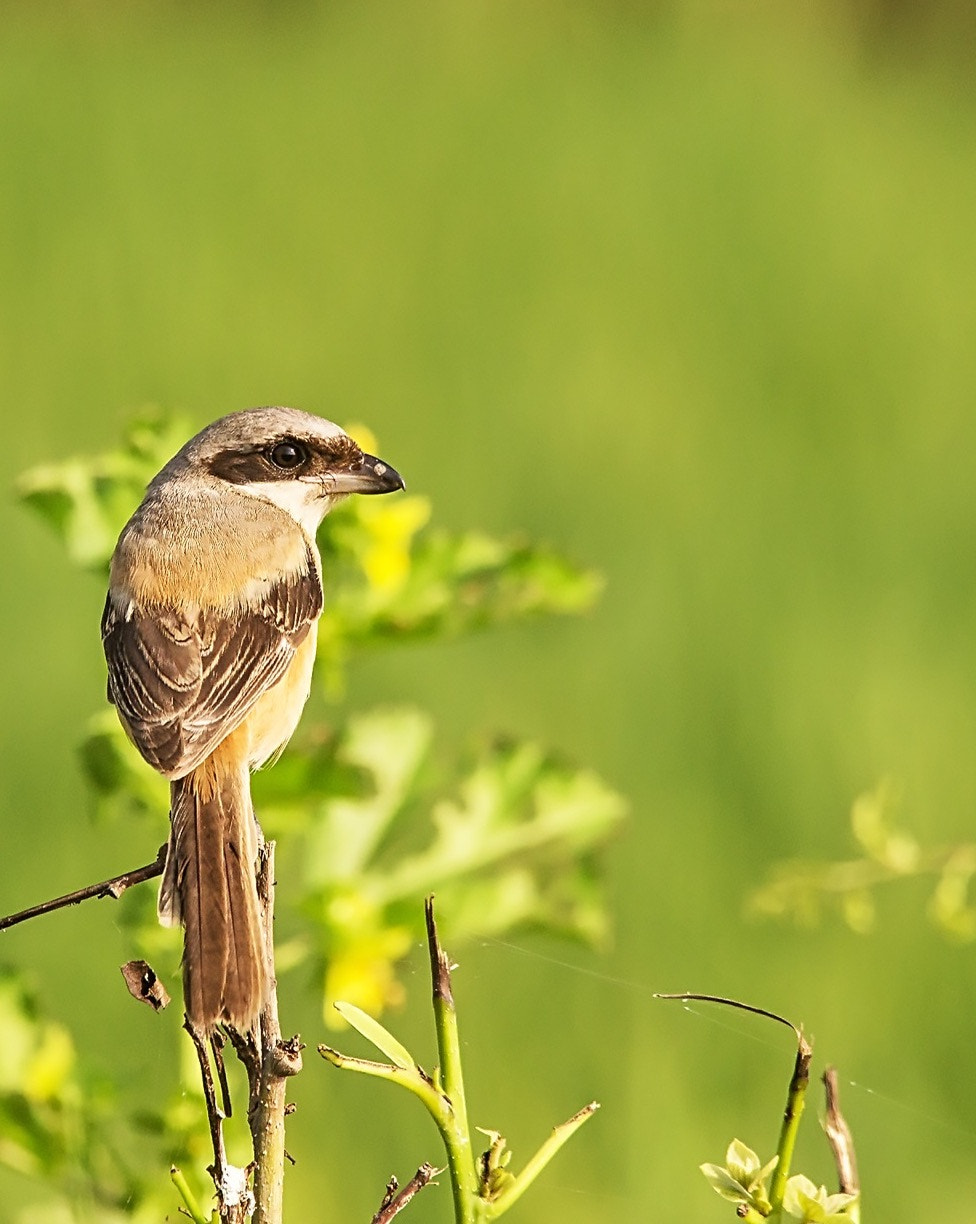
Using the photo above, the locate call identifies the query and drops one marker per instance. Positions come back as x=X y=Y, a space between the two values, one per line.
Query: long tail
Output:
x=209 y=885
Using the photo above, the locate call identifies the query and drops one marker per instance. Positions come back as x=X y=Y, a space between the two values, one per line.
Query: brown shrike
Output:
x=209 y=632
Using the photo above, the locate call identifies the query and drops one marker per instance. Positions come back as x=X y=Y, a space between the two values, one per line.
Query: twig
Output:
x=686 y=997
x=268 y=1072
x=395 y=1200
x=795 y=1101
x=217 y=1049
x=234 y=1200
x=269 y=1066
x=214 y=1116
x=839 y=1136
x=114 y=888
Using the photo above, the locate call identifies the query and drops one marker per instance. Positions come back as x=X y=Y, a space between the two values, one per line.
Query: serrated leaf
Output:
x=373 y=1031
x=515 y=847
x=516 y=805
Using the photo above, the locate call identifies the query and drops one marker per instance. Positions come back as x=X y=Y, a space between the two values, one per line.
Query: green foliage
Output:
x=87 y=501
x=742 y=1180
x=62 y=1126
x=39 y=1097
x=390 y=579
x=803 y=890
x=370 y=818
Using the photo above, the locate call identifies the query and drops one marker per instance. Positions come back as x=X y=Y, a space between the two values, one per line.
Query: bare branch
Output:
x=725 y=1002
x=114 y=888
x=235 y=1202
x=268 y=1072
x=839 y=1136
x=394 y=1202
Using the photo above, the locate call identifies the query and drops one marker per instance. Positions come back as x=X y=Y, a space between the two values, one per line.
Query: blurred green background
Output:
x=686 y=290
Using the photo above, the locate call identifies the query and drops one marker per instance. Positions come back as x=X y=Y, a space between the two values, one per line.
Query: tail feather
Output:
x=209 y=885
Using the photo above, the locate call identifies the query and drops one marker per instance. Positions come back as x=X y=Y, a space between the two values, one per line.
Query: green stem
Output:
x=539 y=1161
x=189 y=1200
x=795 y=1101
x=469 y=1207
x=409 y=1078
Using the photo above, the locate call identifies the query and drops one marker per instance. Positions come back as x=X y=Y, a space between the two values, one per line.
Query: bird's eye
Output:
x=288 y=455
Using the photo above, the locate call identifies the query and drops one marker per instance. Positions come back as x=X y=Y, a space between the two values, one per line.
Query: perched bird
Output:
x=209 y=632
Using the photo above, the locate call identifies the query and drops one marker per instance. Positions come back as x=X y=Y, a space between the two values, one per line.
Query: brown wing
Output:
x=182 y=682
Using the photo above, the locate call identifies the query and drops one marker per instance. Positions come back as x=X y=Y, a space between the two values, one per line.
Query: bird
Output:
x=209 y=630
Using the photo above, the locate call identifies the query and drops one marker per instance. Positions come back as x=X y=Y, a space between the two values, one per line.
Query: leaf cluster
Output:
x=804 y=890
x=743 y=1179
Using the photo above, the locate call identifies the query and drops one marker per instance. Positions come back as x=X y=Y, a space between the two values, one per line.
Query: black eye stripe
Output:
x=257 y=463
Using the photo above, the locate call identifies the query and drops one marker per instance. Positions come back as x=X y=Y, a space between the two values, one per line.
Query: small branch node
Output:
x=394 y=1202
x=286 y=1057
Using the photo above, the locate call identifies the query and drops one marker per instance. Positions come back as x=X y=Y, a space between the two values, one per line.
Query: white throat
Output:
x=306 y=501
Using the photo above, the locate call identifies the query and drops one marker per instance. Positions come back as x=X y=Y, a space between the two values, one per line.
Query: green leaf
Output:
x=389 y=747
x=723 y=1183
x=746 y=1167
x=87 y=501
x=373 y=1031
x=518 y=808
x=742 y=1179
x=38 y=1091
x=813 y=1204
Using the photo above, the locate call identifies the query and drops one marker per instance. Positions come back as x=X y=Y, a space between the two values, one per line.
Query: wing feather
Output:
x=183 y=680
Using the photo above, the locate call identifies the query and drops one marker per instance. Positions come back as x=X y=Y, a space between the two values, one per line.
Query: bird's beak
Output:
x=370 y=475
